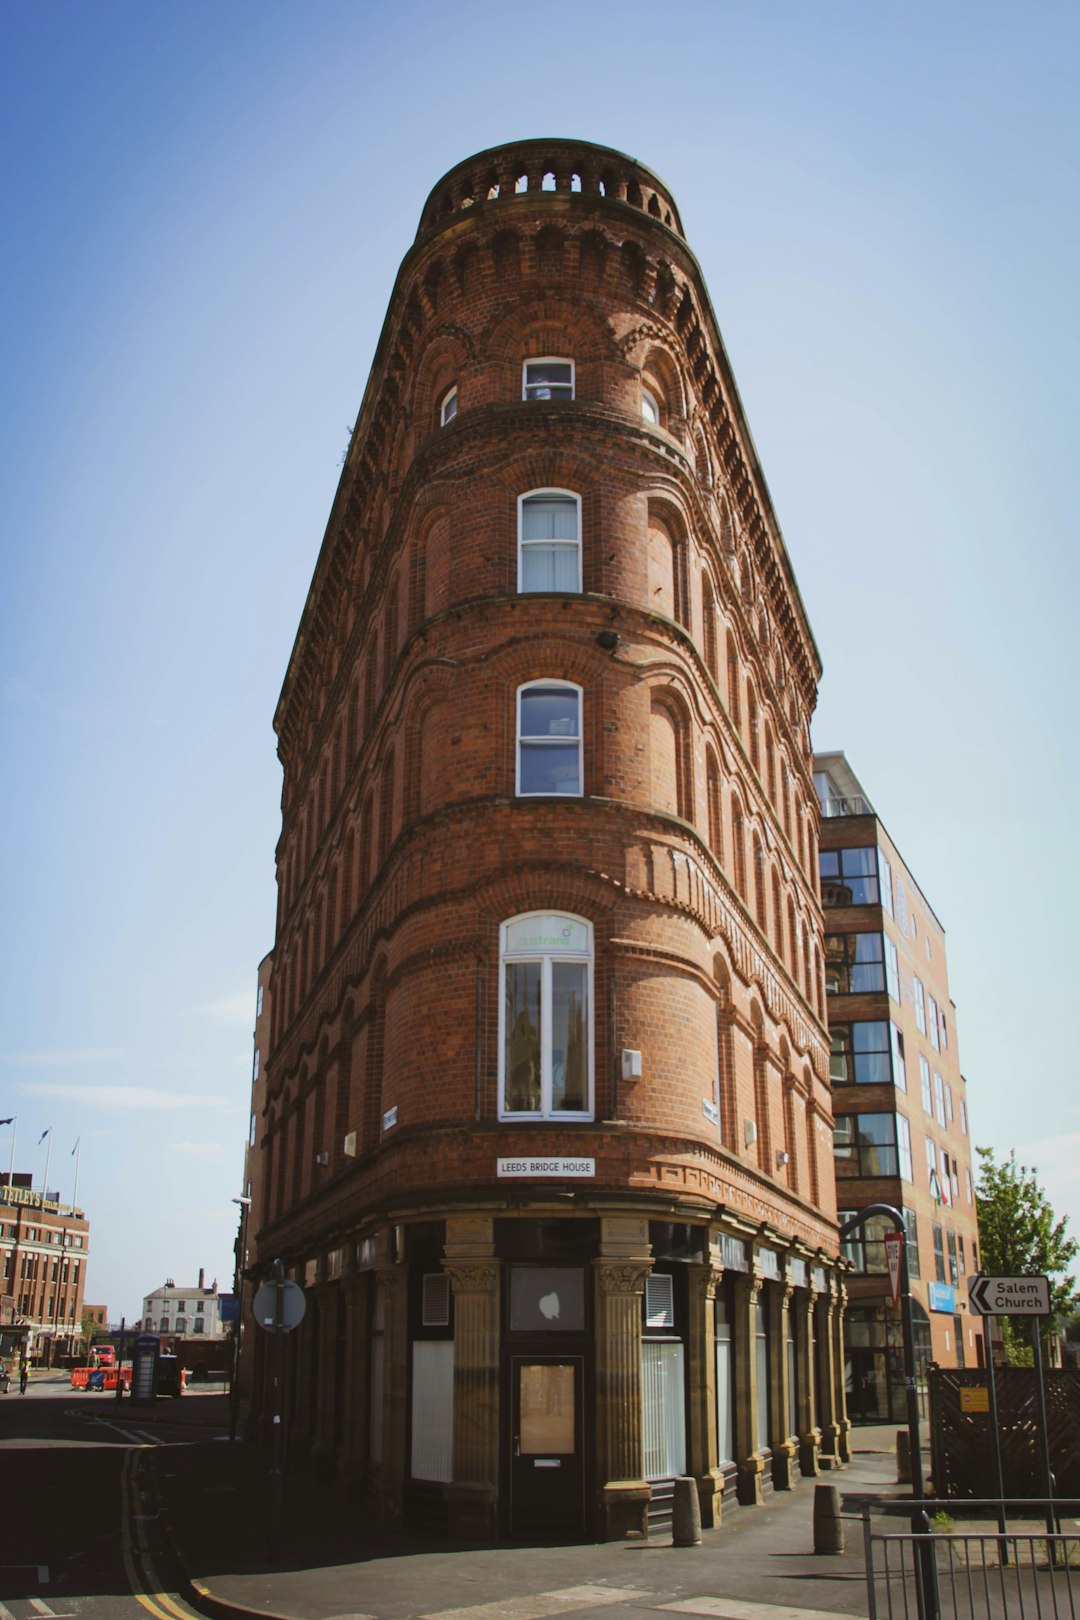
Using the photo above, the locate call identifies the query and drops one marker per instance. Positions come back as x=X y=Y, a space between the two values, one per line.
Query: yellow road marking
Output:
x=145 y=1591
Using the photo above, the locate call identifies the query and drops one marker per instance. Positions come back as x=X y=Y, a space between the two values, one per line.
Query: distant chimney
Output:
x=202 y=1273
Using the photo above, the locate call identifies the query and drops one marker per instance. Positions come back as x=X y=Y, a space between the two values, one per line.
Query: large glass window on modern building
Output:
x=869 y=1052
x=872 y=1145
x=549 y=541
x=854 y=963
x=547 y=379
x=549 y=738
x=865 y=1247
x=545 y=1017
x=849 y=877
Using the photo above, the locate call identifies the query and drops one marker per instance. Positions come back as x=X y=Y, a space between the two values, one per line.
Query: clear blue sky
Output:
x=203 y=209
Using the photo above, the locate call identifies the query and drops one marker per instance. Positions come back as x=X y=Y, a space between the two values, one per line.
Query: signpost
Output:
x=1018 y=1296
x=278 y=1306
x=894 y=1248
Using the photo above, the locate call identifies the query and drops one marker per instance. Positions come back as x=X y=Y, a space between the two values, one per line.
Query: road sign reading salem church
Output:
x=1009 y=1296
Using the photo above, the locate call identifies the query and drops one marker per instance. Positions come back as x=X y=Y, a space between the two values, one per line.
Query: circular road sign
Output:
x=293 y=1306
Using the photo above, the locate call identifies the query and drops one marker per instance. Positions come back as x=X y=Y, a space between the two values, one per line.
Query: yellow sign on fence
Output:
x=975 y=1399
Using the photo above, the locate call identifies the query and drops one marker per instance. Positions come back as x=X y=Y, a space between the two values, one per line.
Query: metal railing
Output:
x=1022 y=1572
x=855 y=806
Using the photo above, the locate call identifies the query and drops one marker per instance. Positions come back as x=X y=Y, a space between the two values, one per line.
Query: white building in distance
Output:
x=184 y=1311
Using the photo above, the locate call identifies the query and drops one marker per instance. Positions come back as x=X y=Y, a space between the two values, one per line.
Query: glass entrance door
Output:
x=547 y=1499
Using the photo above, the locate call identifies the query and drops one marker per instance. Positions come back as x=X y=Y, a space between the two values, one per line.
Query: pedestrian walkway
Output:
x=331 y=1563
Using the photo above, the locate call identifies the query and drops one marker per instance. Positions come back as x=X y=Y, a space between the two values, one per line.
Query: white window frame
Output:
x=548 y=360
x=448 y=406
x=538 y=741
x=932 y=1021
x=546 y=494
x=648 y=398
x=506 y=956
x=920 y=1005
x=927 y=1088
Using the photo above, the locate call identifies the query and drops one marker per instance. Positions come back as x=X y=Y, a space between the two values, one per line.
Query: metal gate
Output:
x=996 y=1571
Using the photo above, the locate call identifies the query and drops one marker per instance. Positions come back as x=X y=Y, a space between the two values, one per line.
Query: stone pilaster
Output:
x=843 y=1445
x=475 y=1278
x=749 y=1462
x=390 y=1485
x=620 y=1273
x=809 y=1433
x=702 y=1457
x=784 y=1445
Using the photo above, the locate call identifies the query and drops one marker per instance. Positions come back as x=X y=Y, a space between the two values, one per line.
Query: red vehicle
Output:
x=102 y=1355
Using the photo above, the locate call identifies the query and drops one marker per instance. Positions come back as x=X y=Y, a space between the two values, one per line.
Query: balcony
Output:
x=857 y=806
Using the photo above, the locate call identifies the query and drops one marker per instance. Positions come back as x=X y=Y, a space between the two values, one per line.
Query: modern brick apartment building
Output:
x=902 y=1128
x=547 y=1134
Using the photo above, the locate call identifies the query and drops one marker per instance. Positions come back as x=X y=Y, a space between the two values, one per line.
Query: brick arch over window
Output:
x=448 y=355
x=725 y=1054
x=813 y=1165
x=661 y=373
x=547 y=327
x=373 y=1075
x=714 y=805
x=734 y=678
x=710 y=626
x=761 y=1089
x=667 y=560
x=738 y=845
x=759 y=884
x=669 y=747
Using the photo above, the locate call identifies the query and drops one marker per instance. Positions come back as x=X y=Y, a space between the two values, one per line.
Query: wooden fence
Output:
x=961 y=1439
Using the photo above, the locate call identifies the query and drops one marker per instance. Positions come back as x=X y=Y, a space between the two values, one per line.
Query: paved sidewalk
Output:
x=331 y=1564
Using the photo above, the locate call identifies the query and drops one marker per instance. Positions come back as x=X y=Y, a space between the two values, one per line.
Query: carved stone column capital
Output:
x=622 y=1276
x=388 y=1277
x=704 y=1281
x=473 y=1276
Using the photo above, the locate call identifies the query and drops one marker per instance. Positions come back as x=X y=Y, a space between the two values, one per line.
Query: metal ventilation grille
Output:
x=436 y=1301
x=659 y=1302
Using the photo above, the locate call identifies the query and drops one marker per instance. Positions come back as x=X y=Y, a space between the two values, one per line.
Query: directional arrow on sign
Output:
x=1009 y=1296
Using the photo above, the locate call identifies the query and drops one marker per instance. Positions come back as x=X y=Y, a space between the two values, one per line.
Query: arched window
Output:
x=545 y=1017
x=759 y=884
x=549 y=738
x=777 y=915
x=752 y=726
x=650 y=406
x=708 y=611
x=716 y=814
x=549 y=541
x=449 y=406
x=733 y=682
x=738 y=846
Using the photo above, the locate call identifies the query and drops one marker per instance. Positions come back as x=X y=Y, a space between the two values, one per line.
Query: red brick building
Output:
x=44 y=1248
x=902 y=1128
x=547 y=1129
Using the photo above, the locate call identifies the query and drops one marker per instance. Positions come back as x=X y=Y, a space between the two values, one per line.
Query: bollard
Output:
x=686 y=1515
x=828 y=1529
x=903 y=1457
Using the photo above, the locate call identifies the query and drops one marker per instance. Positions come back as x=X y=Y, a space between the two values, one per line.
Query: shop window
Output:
x=549 y=541
x=545 y=1036
x=725 y=1379
x=663 y=1408
x=549 y=738
x=432 y=1408
x=761 y=1367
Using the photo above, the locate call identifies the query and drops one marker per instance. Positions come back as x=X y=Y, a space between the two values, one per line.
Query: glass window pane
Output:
x=549 y=711
x=549 y=568
x=546 y=1414
x=549 y=517
x=523 y=1036
x=829 y=863
x=569 y=1079
x=545 y=769
x=860 y=863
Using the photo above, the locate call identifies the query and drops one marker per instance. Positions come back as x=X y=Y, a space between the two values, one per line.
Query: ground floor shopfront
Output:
x=532 y=1376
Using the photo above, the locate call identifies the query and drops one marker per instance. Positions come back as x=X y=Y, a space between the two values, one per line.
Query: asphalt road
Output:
x=79 y=1539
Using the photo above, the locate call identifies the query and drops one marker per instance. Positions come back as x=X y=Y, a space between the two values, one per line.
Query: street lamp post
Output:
x=238 y=1325
x=927 y=1586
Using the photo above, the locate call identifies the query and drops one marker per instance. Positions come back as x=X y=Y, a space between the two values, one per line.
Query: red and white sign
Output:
x=894 y=1248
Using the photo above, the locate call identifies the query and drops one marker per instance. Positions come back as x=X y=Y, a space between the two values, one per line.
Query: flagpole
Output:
x=75 y=1195
x=48 y=1153
x=14 y=1133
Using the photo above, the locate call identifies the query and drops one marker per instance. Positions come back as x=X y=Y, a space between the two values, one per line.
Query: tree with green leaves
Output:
x=1021 y=1237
